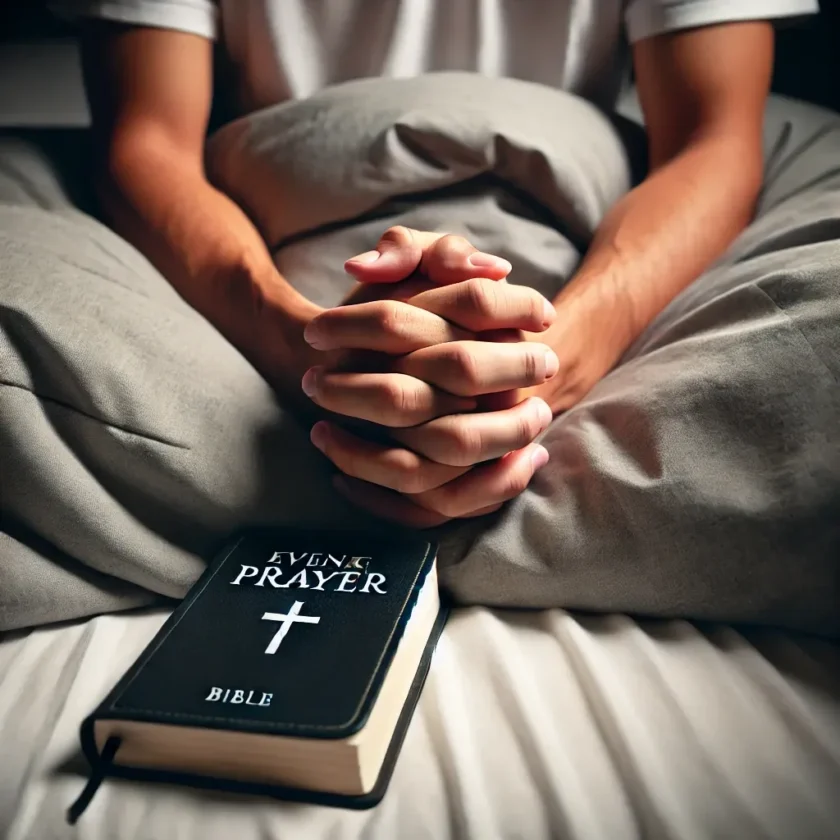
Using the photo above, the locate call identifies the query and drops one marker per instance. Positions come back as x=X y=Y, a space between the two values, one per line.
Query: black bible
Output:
x=292 y=669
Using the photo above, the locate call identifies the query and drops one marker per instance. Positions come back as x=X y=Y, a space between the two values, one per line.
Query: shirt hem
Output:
x=645 y=19
x=177 y=17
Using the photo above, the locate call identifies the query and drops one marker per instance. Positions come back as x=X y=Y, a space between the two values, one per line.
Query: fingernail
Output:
x=319 y=434
x=313 y=337
x=480 y=260
x=539 y=457
x=552 y=364
x=309 y=383
x=549 y=312
x=364 y=259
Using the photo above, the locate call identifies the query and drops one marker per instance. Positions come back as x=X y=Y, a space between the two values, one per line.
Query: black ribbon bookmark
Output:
x=97 y=774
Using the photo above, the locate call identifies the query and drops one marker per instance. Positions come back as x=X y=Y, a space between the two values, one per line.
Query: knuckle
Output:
x=392 y=395
x=535 y=307
x=454 y=241
x=398 y=235
x=532 y=365
x=527 y=428
x=445 y=504
x=481 y=296
x=407 y=473
x=515 y=483
x=412 y=484
x=466 y=368
x=405 y=400
x=450 y=250
x=465 y=445
x=391 y=317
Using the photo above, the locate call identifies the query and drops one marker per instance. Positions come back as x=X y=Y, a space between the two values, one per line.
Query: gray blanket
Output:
x=701 y=479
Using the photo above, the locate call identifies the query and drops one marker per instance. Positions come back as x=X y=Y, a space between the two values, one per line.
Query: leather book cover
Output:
x=286 y=794
x=288 y=632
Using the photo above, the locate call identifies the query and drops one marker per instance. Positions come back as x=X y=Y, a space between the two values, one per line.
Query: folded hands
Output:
x=444 y=356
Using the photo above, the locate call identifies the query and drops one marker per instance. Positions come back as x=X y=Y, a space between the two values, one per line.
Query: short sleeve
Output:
x=198 y=17
x=644 y=18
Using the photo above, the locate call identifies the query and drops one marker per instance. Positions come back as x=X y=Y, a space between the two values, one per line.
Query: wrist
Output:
x=595 y=309
x=593 y=329
x=274 y=318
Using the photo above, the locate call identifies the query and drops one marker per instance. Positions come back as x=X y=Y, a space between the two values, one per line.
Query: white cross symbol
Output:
x=288 y=619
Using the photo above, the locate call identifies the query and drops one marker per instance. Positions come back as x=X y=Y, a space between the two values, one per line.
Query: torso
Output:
x=285 y=49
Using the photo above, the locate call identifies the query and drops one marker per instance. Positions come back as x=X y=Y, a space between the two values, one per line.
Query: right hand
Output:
x=435 y=382
x=441 y=458
x=438 y=373
x=428 y=289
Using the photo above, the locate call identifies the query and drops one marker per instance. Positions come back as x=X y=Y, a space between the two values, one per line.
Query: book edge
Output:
x=360 y=715
x=106 y=704
x=360 y=802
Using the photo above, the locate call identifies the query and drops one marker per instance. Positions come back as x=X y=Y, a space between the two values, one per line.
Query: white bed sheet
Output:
x=531 y=725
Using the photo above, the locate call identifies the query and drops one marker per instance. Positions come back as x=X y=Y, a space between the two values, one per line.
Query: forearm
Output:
x=659 y=239
x=201 y=242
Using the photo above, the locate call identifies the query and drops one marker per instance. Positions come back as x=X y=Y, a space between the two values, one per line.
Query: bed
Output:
x=533 y=723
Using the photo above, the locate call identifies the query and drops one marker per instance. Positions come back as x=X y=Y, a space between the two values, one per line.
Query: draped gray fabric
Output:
x=700 y=479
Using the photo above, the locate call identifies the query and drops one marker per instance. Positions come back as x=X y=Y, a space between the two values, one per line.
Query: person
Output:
x=463 y=412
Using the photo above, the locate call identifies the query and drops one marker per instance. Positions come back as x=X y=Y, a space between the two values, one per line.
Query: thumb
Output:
x=396 y=257
x=453 y=259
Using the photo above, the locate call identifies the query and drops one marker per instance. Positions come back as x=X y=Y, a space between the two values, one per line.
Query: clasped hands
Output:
x=438 y=349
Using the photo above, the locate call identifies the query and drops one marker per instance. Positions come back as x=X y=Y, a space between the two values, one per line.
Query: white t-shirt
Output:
x=282 y=49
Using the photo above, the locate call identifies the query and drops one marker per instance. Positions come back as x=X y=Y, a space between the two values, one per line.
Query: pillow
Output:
x=342 y=153
x=702 y=477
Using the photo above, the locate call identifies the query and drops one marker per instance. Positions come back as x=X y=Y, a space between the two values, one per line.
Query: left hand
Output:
x=588 y=330
x=428 y=361
x=431 y=476
x=472 y=464
x=433 y=359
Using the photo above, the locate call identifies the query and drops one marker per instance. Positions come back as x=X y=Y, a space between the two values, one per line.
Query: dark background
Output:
x=807 y=57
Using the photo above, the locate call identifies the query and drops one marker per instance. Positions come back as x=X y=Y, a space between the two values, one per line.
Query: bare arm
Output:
x=703 y=95
x=150 y=95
